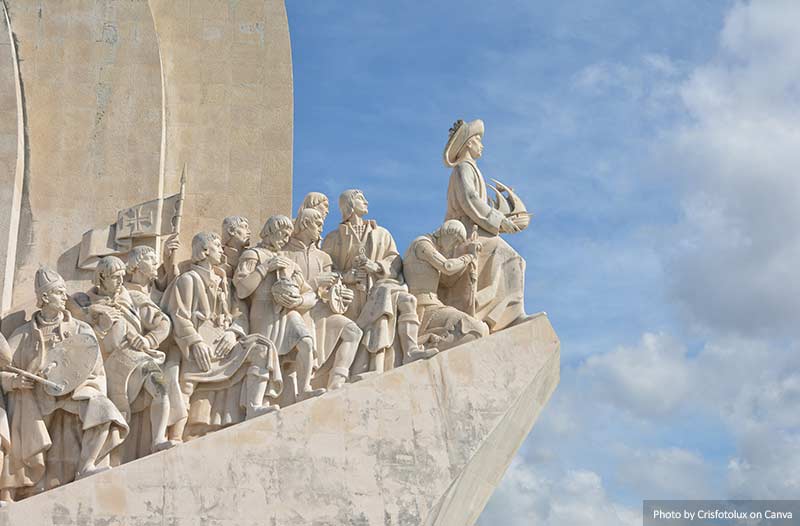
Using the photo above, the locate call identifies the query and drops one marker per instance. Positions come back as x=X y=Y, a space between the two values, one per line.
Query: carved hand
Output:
x=289 y=301
x=508 y=226
x=370 y=266
x=278 y=262
x=347 y=296
x=351 y=277
x=473 y=248
x=20 y=382
x=202 y=355
x=326 y=279
x=139 y=342
x=226 y=344
x=171 y=246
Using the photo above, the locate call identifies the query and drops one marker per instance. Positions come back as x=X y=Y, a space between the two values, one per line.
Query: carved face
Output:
x=111 y=284
x=241 y=233
x=323 y=208
x=315 y=227
x=148 y=266
x=360 y=205
x=475 y=146
x=214 y=251
x=279 y=238
x=448 y=244
x=56 y=298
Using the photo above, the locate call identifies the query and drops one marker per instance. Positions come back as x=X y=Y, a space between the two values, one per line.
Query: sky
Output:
x=657 y=144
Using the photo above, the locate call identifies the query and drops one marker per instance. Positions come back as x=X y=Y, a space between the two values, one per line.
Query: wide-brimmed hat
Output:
x=460 y=133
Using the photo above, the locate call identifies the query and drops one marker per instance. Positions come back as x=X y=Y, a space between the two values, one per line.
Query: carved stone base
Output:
x=423 y=444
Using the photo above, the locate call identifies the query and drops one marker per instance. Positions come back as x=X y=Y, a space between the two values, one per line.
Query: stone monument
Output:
x=332 y=381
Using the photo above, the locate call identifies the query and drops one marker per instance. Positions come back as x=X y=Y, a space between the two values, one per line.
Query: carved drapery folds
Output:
x=158 y=352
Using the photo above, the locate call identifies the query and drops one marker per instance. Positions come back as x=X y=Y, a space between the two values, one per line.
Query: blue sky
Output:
x=657 y=144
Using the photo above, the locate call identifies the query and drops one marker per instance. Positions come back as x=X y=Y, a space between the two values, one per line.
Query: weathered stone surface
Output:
x=106 y=127
x=422 y=444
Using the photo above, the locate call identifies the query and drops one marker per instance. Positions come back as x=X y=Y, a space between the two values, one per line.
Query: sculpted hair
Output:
x=305 y=217
x=312 y=200
x=452 y=227
x=274 y=224
x=107 y=266
x=347 y=201
x=200 y=243
x=136 y=255
x=230 y=223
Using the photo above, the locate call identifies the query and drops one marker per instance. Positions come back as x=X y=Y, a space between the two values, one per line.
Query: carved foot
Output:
x=337 y=381
x=163 y=446
x=254 y=411
x=311 y=393
x=90 y=471
x=363 y=376
x=421 y=354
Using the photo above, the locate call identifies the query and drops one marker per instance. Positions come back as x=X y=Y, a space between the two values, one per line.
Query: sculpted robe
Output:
x=46 y=431
x=374 y=307
x=283 y=327
x=498 y=297
x=202 y=308
x=327 y=327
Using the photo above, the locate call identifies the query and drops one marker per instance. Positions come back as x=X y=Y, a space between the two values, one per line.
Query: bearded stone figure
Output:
x=496 y=295
x=56 y=438
x=129 y=332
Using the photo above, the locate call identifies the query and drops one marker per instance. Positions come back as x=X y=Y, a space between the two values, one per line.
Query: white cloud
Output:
x=649 y=380
x=576 y=497
x=734 y=256
x=666 y=473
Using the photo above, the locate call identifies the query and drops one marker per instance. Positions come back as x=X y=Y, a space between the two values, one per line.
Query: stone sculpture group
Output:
x=159 y=352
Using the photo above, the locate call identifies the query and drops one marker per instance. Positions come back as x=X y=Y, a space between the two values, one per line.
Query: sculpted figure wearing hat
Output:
x=496 y=296
x=56 y=438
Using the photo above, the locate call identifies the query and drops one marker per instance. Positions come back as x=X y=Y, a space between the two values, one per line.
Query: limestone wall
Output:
x=106 y=128
x=423 y=444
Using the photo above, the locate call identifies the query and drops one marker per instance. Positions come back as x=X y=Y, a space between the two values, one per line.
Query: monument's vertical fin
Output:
x=12 y=158
x=228 y=107
x=92 y=106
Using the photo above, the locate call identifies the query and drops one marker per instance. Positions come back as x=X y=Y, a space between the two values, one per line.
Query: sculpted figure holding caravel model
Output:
x=161 y=351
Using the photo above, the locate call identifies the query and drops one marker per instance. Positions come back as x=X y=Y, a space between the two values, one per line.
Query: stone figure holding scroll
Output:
x=429 y=261
x=497 y=297
x=336 y=336
x=61 y=432
x=130 y=333
x=275 y=288
x=366 y=256
x=226 y=372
